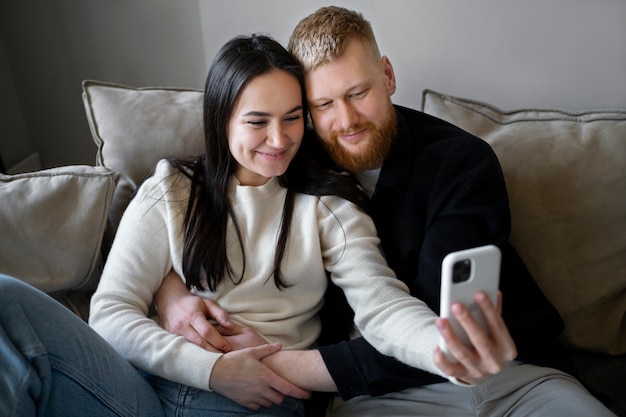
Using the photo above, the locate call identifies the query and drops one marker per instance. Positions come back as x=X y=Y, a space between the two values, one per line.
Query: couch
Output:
x=565 y=173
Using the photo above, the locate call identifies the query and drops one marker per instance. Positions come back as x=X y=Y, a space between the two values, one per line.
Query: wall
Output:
x=562 y=53
x=50 y=46
x=13 y=126
x=558 y=53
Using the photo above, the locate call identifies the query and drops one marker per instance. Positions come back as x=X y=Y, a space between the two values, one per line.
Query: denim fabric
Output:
x=53 y=364
x=184 y=401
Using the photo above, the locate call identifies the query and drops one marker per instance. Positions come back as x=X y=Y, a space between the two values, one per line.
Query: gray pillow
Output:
x=52 y=224
x=136 y=127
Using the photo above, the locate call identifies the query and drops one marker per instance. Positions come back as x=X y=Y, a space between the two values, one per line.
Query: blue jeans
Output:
x=184 y=401
x=53 y=364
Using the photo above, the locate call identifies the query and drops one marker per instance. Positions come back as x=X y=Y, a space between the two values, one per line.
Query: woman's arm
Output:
x=146 y=246
x=140 y=258
x=304 y=368
x=396 y=323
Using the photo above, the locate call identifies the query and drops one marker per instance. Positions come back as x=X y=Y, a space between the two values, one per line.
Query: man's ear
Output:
x=390 y=75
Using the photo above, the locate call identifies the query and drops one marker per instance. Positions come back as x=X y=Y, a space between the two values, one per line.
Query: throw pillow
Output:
x=52 y=224
x=566 y=177
x=136 y=127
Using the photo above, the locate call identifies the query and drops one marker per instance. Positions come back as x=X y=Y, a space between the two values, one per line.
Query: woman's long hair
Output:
x=209 y=209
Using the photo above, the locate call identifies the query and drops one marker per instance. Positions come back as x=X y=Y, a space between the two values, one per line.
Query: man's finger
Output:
x=210 y=335
x=218 y=313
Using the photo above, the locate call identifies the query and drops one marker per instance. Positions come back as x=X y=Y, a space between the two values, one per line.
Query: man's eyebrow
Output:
x=265 y=114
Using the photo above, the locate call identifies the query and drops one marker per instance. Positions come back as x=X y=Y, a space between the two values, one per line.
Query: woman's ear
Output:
x=390 y=76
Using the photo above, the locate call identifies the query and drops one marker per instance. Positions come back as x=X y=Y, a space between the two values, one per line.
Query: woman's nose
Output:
x=276 y=136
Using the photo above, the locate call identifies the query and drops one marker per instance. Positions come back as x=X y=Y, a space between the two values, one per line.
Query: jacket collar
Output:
x=396 y=169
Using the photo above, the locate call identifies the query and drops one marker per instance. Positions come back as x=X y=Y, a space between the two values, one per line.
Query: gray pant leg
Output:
x=518 y=391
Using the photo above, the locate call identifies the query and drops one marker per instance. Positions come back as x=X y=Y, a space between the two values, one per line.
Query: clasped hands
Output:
x=241 y=375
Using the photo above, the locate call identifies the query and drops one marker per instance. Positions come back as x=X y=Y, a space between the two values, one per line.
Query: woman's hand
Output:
x=240 y=376
x=185 y=314
x=491 y=352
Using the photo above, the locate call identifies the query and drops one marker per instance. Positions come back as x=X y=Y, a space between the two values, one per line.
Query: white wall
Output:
x=557 y=53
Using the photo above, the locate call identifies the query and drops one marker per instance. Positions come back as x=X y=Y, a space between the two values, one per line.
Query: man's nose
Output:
x=347 y=115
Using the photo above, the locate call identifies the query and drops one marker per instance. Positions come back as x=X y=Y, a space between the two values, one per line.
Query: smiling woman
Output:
x=266 y=127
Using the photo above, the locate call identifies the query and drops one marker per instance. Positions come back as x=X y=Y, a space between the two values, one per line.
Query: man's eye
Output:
x=323 y=105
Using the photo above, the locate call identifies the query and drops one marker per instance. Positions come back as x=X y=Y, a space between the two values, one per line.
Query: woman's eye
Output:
x=291 y=119
x=257 y=123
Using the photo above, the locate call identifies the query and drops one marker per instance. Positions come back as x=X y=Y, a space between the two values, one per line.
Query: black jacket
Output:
x=440 y=190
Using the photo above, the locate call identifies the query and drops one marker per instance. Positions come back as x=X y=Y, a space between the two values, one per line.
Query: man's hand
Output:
x=490 y=352
x=240 y=376
x=185 y=314
x=241 y=337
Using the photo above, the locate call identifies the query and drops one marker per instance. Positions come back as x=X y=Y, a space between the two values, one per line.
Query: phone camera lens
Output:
x=461 y=270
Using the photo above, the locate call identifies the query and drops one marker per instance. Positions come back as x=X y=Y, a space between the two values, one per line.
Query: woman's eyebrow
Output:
x=265 y=114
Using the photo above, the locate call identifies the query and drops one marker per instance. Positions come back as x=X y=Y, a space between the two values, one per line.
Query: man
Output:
x=434 y=189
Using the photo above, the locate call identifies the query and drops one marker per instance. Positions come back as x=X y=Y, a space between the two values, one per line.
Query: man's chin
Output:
x=354 y=161
x=369 y=152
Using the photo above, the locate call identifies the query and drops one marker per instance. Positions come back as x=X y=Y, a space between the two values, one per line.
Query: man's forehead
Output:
x=339 y=77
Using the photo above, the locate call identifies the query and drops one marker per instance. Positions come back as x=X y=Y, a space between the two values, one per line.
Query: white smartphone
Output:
x=463 y=273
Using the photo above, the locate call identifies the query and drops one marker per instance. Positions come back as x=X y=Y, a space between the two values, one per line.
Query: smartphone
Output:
x=463 y=273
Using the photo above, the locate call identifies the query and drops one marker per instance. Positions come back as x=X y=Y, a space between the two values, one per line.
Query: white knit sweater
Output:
x=327 y=233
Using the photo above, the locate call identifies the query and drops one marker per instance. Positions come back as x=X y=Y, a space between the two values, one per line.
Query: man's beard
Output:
x=374 y=154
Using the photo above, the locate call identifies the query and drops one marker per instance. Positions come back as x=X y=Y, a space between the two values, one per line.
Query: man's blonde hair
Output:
x=321 y=37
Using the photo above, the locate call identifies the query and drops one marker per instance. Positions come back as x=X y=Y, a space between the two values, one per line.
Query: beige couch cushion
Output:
x=566 y=177
x=52 y=224
x=136 y=127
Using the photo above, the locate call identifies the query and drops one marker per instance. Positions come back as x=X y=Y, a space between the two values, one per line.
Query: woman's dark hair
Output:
x=209 y=209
